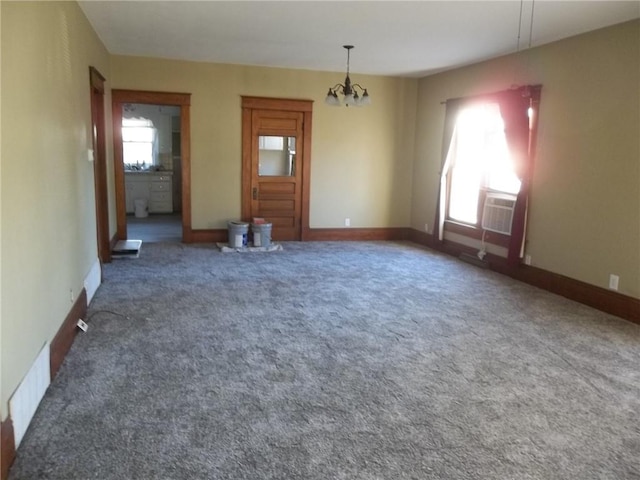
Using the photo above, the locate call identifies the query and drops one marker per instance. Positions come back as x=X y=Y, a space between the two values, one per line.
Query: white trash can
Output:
x=141 y=207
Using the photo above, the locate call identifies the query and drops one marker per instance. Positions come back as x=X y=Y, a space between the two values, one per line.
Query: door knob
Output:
x=255 y=193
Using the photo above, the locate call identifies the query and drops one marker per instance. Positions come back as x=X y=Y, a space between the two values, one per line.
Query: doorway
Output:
x=152 y=165
x=152 y=172
x=276 y=155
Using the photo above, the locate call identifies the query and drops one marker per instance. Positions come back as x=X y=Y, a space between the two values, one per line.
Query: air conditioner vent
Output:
x=497 y=215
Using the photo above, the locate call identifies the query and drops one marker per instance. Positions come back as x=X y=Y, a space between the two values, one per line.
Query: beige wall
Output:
x=361 y=157
x=585 y=198
x=48 y=208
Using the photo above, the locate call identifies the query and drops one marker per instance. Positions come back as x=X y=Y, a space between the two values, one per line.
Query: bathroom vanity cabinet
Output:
x=155 y=187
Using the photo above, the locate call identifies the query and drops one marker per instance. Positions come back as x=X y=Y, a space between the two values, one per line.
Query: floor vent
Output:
x=127 y=249
x=25 y=400
x=474 y=260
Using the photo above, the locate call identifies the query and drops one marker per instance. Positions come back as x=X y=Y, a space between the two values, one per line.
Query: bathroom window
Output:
x=139 y=142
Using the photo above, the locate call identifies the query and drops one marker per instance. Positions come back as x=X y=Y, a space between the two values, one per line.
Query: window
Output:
x=139 y=142
x=491 y=143
x=481 y=162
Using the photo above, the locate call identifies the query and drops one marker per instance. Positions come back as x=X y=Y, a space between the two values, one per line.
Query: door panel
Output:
x=277 y=207
x=273 y=188
x=286 y=222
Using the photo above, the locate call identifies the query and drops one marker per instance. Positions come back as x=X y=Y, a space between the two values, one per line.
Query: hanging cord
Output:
x=519 y=27
x=483 y=249
x=533 y=6
x=516 y=72
x=527 y=71
x=348 y=59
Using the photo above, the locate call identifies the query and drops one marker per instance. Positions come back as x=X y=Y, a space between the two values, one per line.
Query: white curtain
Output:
x=446 y=167
x=155 y=147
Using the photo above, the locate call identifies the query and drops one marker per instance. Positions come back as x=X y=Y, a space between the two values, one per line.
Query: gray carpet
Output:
x=336 y=361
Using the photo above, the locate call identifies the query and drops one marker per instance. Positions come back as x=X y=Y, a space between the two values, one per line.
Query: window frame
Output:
x=513 y=104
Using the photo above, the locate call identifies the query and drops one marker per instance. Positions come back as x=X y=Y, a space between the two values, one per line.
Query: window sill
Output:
x=476 y=233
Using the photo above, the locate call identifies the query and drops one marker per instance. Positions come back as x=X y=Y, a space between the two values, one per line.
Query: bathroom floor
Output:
x=155 y=228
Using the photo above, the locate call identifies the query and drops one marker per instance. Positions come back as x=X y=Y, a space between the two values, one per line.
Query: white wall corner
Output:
x=92 y=280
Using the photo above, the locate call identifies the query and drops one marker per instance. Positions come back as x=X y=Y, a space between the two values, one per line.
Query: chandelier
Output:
x=348 y=90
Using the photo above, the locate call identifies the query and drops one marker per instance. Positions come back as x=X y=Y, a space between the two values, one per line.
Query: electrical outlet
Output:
x=347 y=222
x=82 y=325
x=71 y=295
x=613 y=281
x=527 y=259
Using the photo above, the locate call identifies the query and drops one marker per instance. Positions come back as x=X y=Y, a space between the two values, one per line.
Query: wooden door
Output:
x=276 y=147
x=275 y=174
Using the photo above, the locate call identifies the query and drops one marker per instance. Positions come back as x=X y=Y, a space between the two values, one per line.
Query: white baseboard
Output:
x=25 y=400
x=92 y=281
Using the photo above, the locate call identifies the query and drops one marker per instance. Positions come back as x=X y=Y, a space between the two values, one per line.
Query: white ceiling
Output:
x=400 y=38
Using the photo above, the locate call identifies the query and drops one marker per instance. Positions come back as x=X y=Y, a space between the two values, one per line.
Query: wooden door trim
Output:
x=265 y=103
x=183 y=100
x=306 y=176
x=246 y=162
x=98 y=133
x=268 y=103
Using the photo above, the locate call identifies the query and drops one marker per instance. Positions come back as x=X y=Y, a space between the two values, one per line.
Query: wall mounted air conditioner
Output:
x=497 y=215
